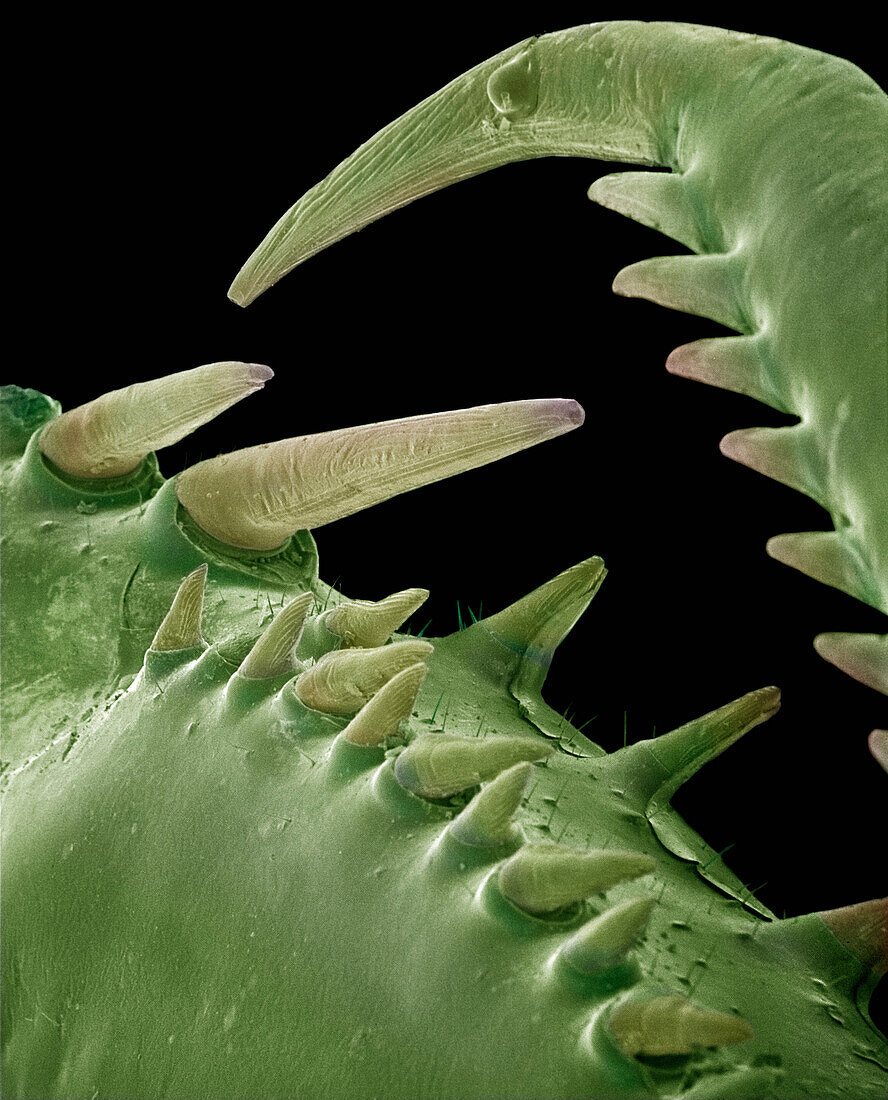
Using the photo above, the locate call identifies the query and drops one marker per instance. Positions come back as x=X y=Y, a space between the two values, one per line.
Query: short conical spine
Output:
x=487 y=821
x=272 y=655
x=542 y=878
x=368 y=625
x=605 y=941
x=664 y=1025
x=382 y=716
x=344 y=680
x=438 y=765
x=180 y=628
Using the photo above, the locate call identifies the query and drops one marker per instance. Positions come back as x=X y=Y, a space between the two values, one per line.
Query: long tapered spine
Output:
x=111 y=435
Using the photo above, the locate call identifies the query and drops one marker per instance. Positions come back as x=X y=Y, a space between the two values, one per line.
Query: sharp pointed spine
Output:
x=180 y=628
x=827 y=556
x=368 y=625
x=343 y=681
x=256 y=498
x=863 y=929
x=605 y=941
x=542 y=878
x=788 y=455
x=863 y=656
x=272 y=655
x=112 y=435
x=735 y=363
x=659 y=200
x=672 y=758
x=438 y=765
x=673 y=1025
x=705 y=285
x=536 y=624
x=382 y=716
x=878 y=746
x=487 y=821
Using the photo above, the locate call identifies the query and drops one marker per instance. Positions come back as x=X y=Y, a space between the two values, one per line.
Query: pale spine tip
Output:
x=367 y=625
x=272 y=654
x=256 y=498
x=112 y=435
x=487 y=821
x=542 y=878
x=606 y=940
x=863 y=656
x=878 y=746
x=673 y=1025
x=344 y=680
x=863 y=929
x=180 y=628
x=438 y=765
x=389 y=707
x=663 y=763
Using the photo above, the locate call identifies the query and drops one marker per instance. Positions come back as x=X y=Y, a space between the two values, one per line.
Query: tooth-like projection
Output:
x=827 y=556
x=673 y=1025
x=487 y=820
x=659 y=200
x=343 y=681
x=111 y=436
x=389 y=707
x=541 y=878
x=705 y=285
x=366 y=624
x=878 y=746
x=256 y=498
x=606 y=940
x=735 y=363
x=863 y=656
x=438 y=765
x=534 y=626
x=272 y=654
x=863 y=929
x=180 y=628
x=785 y=454
x=658 y=766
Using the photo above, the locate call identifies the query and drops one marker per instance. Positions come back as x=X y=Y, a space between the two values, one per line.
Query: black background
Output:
x=156 y=156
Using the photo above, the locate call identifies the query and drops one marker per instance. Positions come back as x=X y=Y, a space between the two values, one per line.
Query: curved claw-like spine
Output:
x=487 y=821
x=257 y=497
x=368 y=625
x=863 y=656
x=111 y=435
x=542 y=878
x=437 y=765
x=605 y=941
x=180 y=628
x=705 y=285
x=272 y=655
x=673 y=1025
x=659 y=200
x=389 y=707
x=344 y=680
